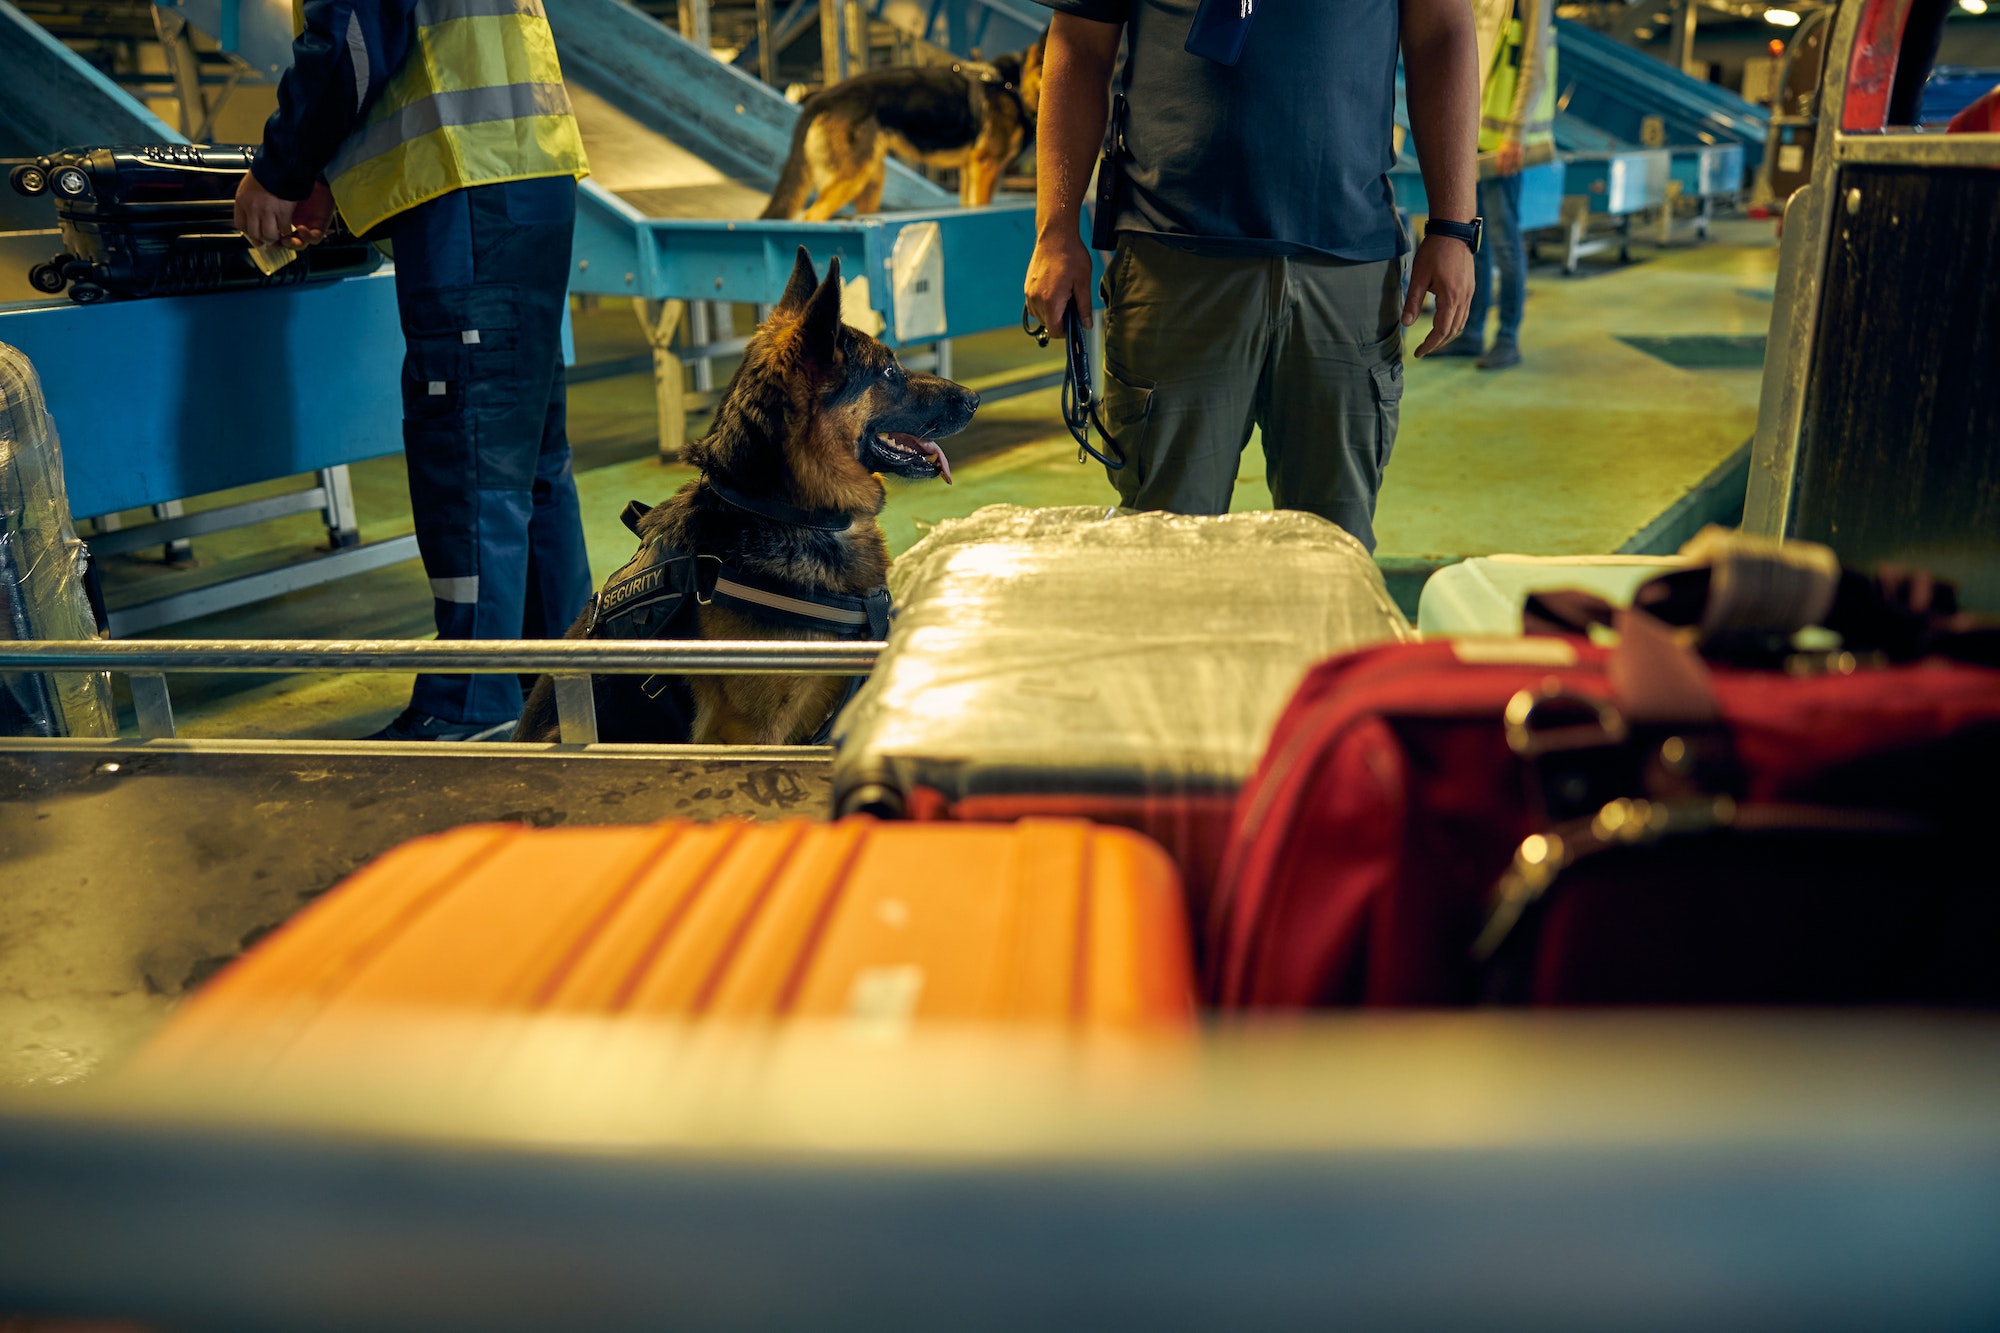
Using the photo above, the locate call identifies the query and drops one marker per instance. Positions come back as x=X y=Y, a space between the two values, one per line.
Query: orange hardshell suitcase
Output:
x=1046 y=921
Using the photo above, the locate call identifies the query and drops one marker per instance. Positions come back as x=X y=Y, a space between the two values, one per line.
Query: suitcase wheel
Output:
x=29 y=179
x=86 y=293
x=47 y=278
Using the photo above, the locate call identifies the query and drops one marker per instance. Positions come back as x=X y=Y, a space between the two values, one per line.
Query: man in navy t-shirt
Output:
x=1258 y=277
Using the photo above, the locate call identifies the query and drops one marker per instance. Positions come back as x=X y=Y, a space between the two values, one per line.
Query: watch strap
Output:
x=1468 y=232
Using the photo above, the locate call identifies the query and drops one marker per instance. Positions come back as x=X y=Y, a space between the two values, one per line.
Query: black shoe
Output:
x=1501 y=355
x=1465 y=344
x=411 y=725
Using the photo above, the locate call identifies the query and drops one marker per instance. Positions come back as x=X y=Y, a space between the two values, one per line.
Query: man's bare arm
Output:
x=1441 y=70
x=1076 y=90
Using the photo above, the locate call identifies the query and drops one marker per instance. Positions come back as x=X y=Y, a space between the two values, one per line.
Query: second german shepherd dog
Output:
x=815 y=411
x=973 y=117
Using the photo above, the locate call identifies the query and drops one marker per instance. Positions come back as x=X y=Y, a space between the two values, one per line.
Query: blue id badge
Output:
x=1219 y=30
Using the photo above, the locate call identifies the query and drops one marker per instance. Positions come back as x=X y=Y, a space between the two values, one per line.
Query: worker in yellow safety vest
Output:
x=1517 y=48
x=443 y=127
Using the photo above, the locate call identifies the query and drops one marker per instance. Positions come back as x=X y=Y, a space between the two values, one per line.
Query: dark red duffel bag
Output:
x=1547 y=821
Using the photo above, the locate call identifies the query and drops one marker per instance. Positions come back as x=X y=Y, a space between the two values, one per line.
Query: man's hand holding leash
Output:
x=1059 y=275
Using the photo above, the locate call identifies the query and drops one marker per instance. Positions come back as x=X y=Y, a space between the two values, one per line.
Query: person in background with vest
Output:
x=1517 y=44
x=443 y=127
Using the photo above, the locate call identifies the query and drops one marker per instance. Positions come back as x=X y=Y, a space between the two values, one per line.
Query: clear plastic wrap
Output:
x=1043 y=656
x=42 y=566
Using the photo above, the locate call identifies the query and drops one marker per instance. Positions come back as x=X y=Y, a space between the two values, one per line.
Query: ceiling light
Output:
x=1973 y=6
x=1789 y=18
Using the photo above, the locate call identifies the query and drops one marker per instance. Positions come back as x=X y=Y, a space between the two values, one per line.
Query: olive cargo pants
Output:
x=1198 y=348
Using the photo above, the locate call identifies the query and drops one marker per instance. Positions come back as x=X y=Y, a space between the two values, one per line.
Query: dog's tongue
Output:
x=929 y=447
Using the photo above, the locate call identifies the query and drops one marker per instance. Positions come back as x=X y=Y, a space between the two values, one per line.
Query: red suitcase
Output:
x=1371 y=841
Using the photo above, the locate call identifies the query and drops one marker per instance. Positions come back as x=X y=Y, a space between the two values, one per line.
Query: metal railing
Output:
x=145 y=664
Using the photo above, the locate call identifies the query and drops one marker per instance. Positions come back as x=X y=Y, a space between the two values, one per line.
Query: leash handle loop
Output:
x=1078 y=408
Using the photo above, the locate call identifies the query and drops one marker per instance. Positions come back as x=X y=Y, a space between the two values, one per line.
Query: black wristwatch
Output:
x=1469 y=232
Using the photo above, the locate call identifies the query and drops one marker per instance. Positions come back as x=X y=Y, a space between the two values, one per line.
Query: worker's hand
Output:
x=260 y=215
x=1508 y=160
x=312 y=217
x=1058 y=273
x=1443 y=268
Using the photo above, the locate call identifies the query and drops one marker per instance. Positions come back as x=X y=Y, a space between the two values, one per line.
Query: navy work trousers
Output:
x=1506 y=251
x=482 y=276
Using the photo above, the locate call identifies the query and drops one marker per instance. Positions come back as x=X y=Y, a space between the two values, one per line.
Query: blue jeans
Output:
x=1500 y=205
x=482 y=276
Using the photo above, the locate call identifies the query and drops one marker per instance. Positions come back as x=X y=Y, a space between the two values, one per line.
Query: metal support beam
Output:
x=857 y=37
x=694 y=21
x=660 y=320
x=179 y=549
x=343 y=523
x=491 y=657
x=1684 y=25
x=700 y=336
x=576 y=710
x=113 y=539
x=767 y=59
x=832 y=51
x=185 y=67
x=232 y=593
x=154 y=706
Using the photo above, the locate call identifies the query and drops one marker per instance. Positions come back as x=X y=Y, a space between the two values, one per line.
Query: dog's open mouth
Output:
x=910 y=455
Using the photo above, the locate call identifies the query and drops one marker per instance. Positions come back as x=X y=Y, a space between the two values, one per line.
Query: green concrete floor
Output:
x=1573 y=452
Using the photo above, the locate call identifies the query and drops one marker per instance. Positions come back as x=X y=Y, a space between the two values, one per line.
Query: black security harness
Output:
x=655 y=594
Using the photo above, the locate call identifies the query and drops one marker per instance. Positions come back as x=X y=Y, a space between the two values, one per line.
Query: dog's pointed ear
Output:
x=800 y=289
x=821 y=326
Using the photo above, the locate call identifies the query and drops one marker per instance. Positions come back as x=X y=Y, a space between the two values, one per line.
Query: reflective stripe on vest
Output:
x=1496 y=110
x=479 y=100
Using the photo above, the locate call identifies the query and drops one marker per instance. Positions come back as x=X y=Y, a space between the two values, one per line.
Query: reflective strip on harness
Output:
x=790 y=605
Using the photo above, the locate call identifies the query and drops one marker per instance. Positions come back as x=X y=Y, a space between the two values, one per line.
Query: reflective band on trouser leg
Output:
x=456 y=590
x=479 y=101
x=492 y=612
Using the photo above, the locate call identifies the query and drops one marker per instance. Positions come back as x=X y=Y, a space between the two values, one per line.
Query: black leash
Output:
x=1079 y=410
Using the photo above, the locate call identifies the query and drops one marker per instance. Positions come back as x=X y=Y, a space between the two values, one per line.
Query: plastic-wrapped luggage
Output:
x=160 y=221
x=1543 y=820
x=1053 y=922
x=42 y=568
x=1119 y=666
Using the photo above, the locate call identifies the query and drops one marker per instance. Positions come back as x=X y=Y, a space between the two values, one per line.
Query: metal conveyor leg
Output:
x=661 y=319
x=699 y=334
x=153 y=704
x=576 y=710
x=343 y=524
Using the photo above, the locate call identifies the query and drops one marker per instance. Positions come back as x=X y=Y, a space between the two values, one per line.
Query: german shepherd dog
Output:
x=973 y=117
x=815 y=411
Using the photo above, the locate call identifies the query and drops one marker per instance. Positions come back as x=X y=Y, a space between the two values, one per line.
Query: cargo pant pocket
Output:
x=464 y=364
x=475 y=330
x=1125 y=410
x=1387 y=379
